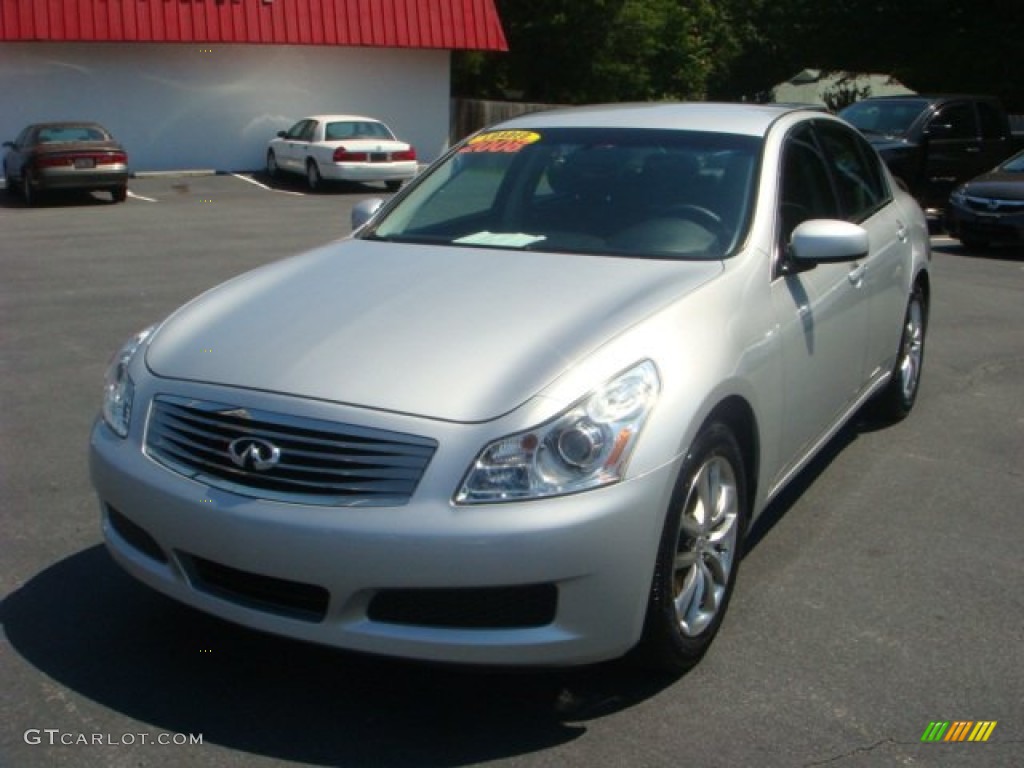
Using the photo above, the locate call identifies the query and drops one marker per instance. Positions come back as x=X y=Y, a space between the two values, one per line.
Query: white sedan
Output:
x=341 y=148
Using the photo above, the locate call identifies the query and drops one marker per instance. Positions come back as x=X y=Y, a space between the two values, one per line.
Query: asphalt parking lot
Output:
x=883 y=592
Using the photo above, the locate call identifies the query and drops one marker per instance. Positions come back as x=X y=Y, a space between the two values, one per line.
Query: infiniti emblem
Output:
x=993 y=205
x=253 y=453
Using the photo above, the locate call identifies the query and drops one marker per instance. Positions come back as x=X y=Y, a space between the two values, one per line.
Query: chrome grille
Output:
x=991 y=205
x=320 y=462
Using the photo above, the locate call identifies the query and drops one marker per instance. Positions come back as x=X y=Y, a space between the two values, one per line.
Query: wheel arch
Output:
x=923 y=279
x=736 y=413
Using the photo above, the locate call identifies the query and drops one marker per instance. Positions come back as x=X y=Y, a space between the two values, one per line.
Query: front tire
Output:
x=313 y=178
x=699 y=553
x=897 y=399
x=272 y=169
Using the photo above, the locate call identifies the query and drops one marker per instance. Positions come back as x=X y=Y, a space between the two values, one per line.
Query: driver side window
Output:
x=296 y=131
x=805 y=189
x=956 y=121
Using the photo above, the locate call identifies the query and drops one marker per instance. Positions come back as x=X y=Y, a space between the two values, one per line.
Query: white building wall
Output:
x=216 y=107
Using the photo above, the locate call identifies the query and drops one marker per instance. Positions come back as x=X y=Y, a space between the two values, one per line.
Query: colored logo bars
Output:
x=959 y=730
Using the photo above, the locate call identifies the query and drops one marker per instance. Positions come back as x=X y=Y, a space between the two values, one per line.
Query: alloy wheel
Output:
x=706 y=545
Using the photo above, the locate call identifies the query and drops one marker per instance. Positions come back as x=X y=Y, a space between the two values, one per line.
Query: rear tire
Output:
x=119 y=194
x=699 y=554
x=393 y=186
x=28 y=194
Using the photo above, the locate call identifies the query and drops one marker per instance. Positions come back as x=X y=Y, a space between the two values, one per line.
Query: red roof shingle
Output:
x=450 y=24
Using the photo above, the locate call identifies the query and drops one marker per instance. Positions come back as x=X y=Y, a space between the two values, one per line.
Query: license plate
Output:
x=84 y=162
x=378 y=157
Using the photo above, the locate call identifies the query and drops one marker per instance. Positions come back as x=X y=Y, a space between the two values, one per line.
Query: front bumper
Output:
x=980 y=227
x=560 y=581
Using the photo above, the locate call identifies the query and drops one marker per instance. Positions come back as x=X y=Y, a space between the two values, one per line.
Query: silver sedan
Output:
x=527 y=412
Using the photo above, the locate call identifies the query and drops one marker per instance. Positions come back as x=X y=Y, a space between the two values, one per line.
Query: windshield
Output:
x=626 y=192
x=888 y=117
x=1014 y=165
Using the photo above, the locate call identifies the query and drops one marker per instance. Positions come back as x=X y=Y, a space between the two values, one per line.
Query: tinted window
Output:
x=955 y=121
x=805 y=190
x=890 y=117
x=628 y=192
x=854 y=171
x=993 y=124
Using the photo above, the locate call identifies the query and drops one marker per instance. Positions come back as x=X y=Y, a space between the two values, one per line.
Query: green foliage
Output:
x=582 y=51
x=577 y=51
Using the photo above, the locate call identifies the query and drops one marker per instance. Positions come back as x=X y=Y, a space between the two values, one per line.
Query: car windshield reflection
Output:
x=636 y=193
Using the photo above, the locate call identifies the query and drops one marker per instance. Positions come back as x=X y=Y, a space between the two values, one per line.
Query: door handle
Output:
x=856 y=274
x=973 y=150
x=901 y=232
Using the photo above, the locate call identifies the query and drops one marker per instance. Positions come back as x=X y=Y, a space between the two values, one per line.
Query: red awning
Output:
x=451 y=24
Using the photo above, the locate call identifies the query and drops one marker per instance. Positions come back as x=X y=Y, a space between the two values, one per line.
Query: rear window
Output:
x=70 y=133
x=356 y=129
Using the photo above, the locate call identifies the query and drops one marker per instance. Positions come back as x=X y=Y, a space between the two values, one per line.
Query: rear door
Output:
x=996 y=144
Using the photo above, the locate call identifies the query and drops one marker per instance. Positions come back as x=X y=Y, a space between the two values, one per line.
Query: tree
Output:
x=581 y=51
x=929 y=45
x=577 y=51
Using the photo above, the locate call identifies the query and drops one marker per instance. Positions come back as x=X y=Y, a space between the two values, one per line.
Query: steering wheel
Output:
x=700 y=216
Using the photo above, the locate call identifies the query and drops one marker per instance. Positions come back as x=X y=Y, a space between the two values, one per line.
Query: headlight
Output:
x=118 y=388
x=586 y=446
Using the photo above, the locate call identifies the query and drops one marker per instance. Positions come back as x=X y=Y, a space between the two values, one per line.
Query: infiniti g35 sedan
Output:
x=527 y=412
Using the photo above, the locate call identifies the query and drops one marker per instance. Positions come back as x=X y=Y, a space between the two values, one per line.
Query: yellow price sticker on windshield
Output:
x=501 y=141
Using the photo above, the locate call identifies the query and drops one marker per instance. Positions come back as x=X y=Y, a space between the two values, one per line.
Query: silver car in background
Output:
x=526 y=414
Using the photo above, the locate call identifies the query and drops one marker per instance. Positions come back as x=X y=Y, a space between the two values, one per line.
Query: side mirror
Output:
x=282 y=134
x=827 y=240
x=364 y=210
x=9 y=144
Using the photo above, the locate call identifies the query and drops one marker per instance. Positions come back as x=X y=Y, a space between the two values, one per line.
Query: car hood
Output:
x=458 y=334
x=997 y=184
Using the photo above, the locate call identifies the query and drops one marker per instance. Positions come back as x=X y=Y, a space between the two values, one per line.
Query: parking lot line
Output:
x=140 y=197
x=264 y=186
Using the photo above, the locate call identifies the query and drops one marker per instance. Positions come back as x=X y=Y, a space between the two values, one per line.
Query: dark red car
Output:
x=50 y=156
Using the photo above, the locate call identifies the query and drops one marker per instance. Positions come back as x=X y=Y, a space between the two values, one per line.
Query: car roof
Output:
x=931 y=97
x=339 y=118
x=738 y=118
x=69 y=124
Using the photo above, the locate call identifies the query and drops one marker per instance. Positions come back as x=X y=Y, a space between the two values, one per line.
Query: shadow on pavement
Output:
x=96 y=631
